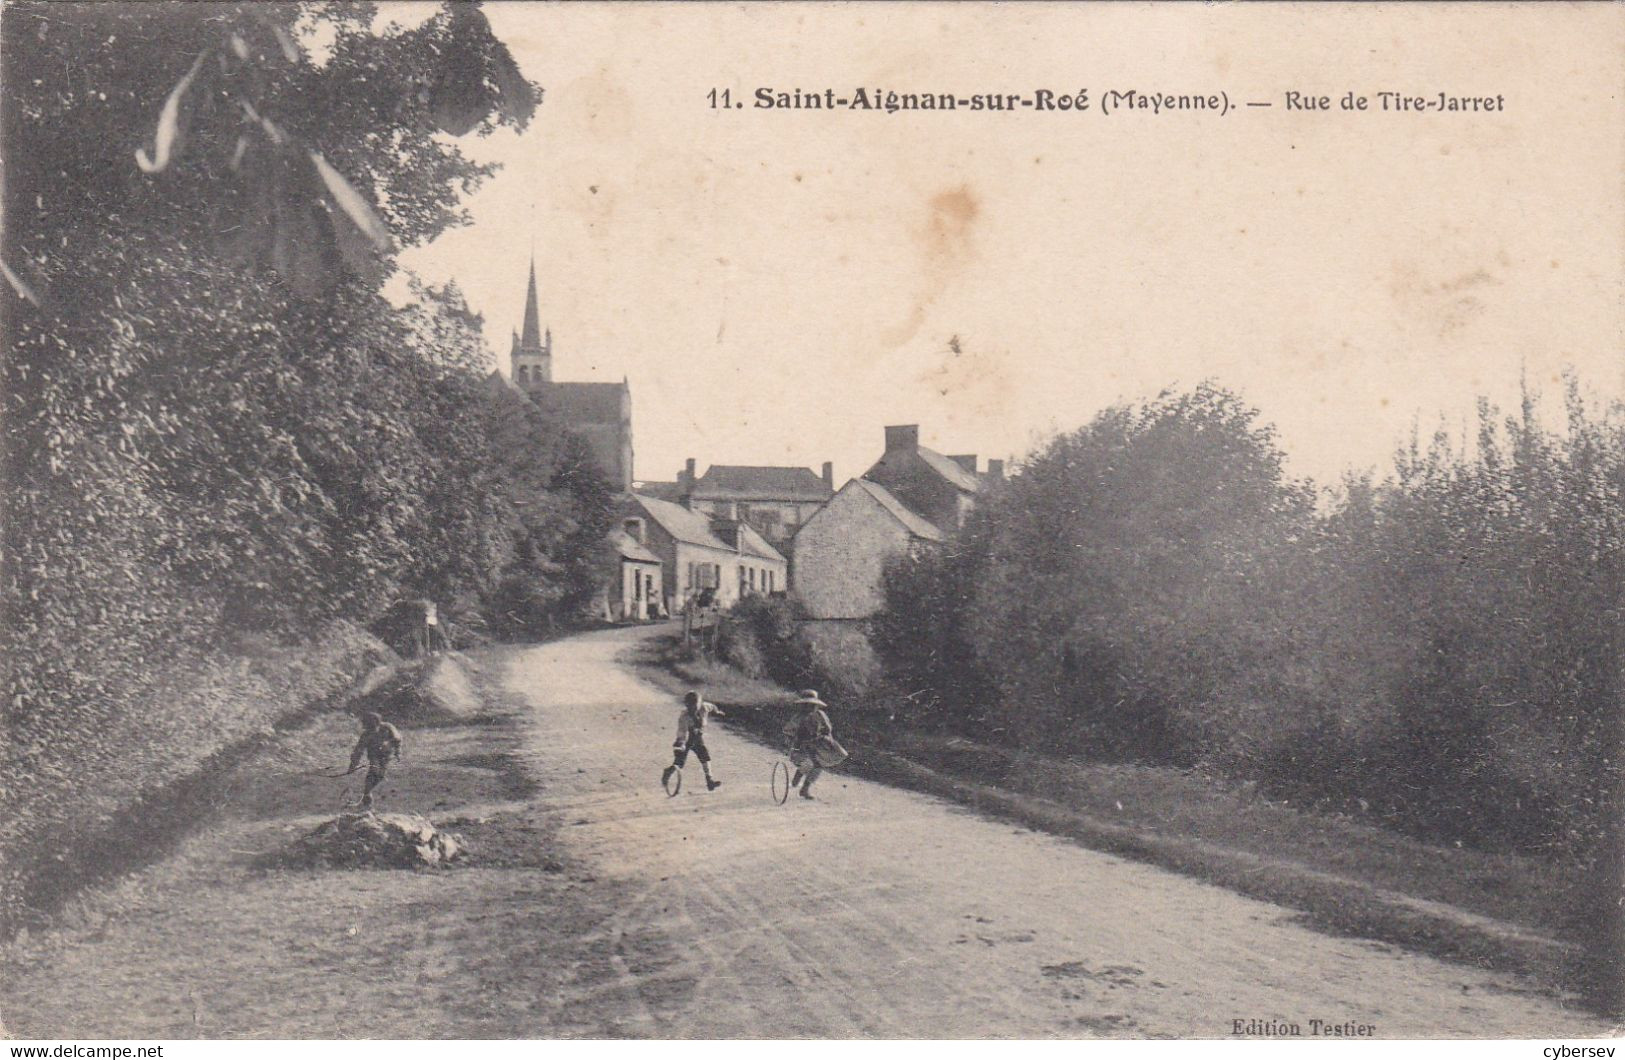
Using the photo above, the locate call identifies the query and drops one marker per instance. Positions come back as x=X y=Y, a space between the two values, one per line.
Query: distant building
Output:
x=636 y=590
x=941 y=488
x=599 y=413
x=910 y=499
x=841 y=552
x=704 y=559
x=774 y=500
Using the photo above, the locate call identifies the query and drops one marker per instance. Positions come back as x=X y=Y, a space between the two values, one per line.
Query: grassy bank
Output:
x=1344 y=875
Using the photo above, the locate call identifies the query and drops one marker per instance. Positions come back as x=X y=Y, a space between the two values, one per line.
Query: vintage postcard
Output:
x=812 y=521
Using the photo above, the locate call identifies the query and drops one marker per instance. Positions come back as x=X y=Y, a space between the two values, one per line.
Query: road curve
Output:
x=876 y=912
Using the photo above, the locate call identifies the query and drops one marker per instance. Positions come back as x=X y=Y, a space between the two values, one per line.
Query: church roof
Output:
x=737 y=482
x=590 y=402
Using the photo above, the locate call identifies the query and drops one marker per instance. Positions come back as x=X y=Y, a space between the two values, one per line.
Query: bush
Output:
x=1440 y=648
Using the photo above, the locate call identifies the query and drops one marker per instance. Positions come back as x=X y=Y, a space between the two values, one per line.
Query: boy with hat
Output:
x=812 y=741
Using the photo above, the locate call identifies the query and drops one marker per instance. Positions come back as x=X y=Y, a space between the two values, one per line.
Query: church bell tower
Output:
x=531 y=361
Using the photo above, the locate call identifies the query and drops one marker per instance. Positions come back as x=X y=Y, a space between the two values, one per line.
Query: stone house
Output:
x=703 y=558
x=774 y=500
x=841 y=552
x=941 y=488
x=911 y=498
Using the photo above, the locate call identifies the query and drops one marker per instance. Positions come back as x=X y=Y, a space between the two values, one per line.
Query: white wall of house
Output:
x=733 y=575
x=642 y=583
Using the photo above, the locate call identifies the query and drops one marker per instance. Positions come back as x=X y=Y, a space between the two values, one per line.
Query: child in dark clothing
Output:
x=812 y=742
x=691 y=737
x=380 y=742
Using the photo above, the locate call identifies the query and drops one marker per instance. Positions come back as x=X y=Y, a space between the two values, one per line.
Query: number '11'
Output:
x=720 y=99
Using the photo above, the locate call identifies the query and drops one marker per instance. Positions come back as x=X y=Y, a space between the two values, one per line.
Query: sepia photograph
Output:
x=820 y=521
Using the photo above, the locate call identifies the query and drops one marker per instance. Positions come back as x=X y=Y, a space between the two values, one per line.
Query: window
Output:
x=753 y=579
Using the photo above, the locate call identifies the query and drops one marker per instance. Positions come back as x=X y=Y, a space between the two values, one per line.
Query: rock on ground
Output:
x=378 y=840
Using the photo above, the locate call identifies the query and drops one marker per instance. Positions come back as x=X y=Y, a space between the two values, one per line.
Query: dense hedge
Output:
x=1439 y=651
x=221 y=441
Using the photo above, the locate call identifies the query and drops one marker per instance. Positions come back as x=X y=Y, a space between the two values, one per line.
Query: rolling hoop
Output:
x=674 y=783
x=781 y=782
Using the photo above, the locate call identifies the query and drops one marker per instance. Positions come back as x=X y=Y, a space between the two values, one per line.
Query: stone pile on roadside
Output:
x=378 y=840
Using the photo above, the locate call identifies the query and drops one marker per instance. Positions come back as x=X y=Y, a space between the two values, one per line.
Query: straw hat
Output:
x=809 y=696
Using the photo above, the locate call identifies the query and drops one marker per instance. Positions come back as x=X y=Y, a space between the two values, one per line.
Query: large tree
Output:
x=214 y=424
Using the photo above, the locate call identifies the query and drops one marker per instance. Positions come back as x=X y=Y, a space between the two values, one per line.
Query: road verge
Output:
x=1339 y=876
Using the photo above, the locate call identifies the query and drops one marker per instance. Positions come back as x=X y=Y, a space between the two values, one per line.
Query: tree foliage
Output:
x=217 y=430
x=1440 y=649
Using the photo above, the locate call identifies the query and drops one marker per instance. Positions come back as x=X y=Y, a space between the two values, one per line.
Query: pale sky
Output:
x=778 y=285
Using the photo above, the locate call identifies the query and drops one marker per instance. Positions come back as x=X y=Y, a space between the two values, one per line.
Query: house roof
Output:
x=662 y=491
x=968 y=481
x=757 y=545
x=684 y=525
x=916 y=525
x=950 y=470
x=628 y=548
x=739 y=482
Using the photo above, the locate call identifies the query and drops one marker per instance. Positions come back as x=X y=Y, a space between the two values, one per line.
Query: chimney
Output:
x=685 y=484
x=903 y=439
x=829 y=475
x=995 y=470
x=729 y=533
x=968 y=462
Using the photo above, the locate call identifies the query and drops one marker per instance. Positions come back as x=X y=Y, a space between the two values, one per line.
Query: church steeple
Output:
x=531 y=338
x=532 y=356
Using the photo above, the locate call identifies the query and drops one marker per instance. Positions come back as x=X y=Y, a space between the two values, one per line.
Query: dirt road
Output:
x=879 y=912
x=595 y=906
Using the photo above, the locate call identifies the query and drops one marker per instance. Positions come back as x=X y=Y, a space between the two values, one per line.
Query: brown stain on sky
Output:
x=946 y=246
x=952 y=215
x=1445 y=307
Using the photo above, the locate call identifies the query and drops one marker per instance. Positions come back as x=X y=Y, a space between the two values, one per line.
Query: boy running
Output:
x=691 y=737
x=812 y=741
x=380 y=742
